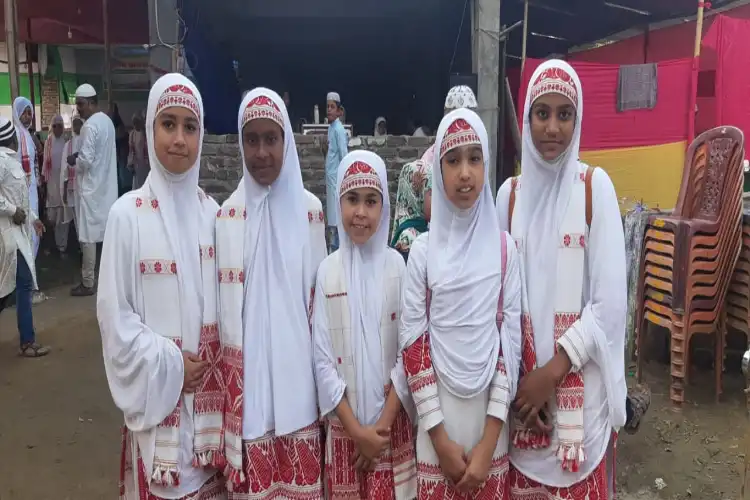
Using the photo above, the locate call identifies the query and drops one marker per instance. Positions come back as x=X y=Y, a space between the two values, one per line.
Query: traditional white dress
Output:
x=270 y=241
x=52 y=166
x=355 y=332
x=96 y=177
x=157 y=300
x=573 y=280
x=460 y=325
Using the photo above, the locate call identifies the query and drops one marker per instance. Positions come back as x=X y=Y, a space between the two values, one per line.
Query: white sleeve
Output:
x=414 y=322
x=398 y=373
x=144 y=369
x=330 y=385
x=87 y=154
x=6 y=207
x=599 y=335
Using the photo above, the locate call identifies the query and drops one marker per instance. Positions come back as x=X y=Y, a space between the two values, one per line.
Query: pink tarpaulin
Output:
x=728 y=38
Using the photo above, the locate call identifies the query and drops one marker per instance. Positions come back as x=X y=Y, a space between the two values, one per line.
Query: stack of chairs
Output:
x=689 y=257
x=738 y=296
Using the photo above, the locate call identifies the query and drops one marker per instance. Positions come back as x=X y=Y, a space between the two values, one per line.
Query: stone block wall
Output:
x=221 y=164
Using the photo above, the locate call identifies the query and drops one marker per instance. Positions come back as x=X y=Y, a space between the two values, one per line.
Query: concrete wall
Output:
x=221 y=165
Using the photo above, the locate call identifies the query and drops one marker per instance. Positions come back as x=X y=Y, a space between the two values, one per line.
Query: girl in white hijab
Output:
x=270 y=242
x=460 y=324
x=380 y=127
x=358 y=370
x=157 y=309
x=566 y=220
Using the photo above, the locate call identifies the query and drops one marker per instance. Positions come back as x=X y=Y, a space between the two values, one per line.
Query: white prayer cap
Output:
x=85 y=90
x=460 y=96
x=7 y=130
x=333 y=96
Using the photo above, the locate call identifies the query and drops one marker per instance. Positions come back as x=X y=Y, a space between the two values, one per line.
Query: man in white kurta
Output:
x=96 y=177
x=56 y=210
x=269 y=243
x=570 y=238
x=157 y=315
x=358 y=369
x=17 y=223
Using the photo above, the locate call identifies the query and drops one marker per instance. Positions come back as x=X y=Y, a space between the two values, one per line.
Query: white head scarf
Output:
x=547 y=187
x=276 y=259
x=464 y=270
x=177 y=195
x=363 y=267
x=22 y=131
x=378 y=121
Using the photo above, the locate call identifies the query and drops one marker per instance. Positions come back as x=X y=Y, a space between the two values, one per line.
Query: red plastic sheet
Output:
x=605 y=128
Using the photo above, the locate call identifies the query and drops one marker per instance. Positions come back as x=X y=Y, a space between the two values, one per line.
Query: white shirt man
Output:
x=96 y=176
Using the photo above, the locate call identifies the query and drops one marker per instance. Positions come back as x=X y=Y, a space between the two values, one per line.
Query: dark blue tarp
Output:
x=213 y=72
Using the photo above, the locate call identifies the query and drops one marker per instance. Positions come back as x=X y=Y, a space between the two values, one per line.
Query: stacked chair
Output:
x=689 y=257
x=738 y=295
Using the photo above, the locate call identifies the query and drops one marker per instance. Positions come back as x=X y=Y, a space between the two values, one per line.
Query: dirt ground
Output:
x=60 y=432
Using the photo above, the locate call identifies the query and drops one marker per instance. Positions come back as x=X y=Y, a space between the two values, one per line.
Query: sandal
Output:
x=640 y=400
x=33 y=350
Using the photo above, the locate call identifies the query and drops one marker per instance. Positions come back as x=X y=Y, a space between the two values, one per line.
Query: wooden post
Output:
x=11 y=40
x=107 y=69
x=525 y=34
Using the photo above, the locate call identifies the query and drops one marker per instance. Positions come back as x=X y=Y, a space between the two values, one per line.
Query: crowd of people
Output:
x=476 y=351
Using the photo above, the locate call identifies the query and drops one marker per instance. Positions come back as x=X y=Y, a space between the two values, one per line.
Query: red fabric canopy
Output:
x=51 y=21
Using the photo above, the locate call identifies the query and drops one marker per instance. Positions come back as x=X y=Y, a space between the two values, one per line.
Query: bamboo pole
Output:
x=525 y=34
x=699 y=28
x=11 y=40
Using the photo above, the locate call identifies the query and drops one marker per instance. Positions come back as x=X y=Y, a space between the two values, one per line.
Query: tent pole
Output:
x=699 y=28
x=12 y=44
x=525 y=33
x=107 y=68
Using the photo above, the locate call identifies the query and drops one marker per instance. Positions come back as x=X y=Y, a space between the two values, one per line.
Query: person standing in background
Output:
x=381 y=127
x=338 y=146
x=68 y=173
x=124 y=175
x=138 y=152
x=17 y=223
x=96 y=177
x=51 y=167
x=28 y=149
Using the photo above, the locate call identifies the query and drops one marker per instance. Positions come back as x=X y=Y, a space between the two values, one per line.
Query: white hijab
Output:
x=277 y=256
x=363 y=267
x=177 y=195
x=547 y=187
x=378 y=121
x=464 y=272
x=22 y=131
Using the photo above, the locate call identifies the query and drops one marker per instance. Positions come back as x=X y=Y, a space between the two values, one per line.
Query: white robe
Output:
x=13 y=238
x=96 y=177
x=144 y=367
x=604 y=293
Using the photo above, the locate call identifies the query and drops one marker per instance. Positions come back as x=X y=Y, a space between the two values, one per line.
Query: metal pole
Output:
x=11 y=40
x=107 y=69
x=525 y=34
x=30 y=69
